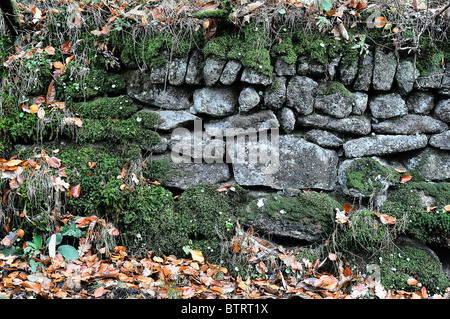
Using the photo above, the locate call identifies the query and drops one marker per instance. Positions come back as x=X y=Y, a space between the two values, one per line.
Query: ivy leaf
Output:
x=326 y=5
x=68 y=252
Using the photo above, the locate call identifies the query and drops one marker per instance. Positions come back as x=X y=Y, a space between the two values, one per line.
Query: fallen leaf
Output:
x=197 y=256
x=447 y=208
x=74 y=191
x=405 y=178
x=380 y=22
x=387 y=220
x=41 y=113
x=50 y=50
x=413 y=282
x=99 y=292
x=348 y=208
x=398 y=170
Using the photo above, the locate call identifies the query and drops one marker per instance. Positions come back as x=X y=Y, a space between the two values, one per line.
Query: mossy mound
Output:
x=366 y=176
x=432 y=225
x=397 y=265
x=120 y=107
x=207 y=218
x=309 y=215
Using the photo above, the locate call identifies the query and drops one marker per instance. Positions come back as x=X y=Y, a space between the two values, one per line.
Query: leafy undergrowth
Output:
x=117 y=275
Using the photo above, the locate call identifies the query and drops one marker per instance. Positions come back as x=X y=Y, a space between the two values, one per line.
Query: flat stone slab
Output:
x=215 y=101
x=410 y=124
x=384 y=145
x=354 y=124
x=300 y=165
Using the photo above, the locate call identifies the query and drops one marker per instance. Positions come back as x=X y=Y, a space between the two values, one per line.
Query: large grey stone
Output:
x=354 y=124
x=442 y=110
x=441 y=140
x=230 y=72
x=364 y=78
x=198 y=145
x=260 y=121
x=406 y=76
x=323 y=138
x=248 y=99
x=275 y=94
x=420 y=102
x=300 y=165
x=385 y=65
x=158 y=75
x=215 y=101
x=389 y=105
x=431 y=164
x=300 y=94
x=140 y=87
x=334 y=99
x=286 y=117
x=410 y=124
x=194 y=72
x=177 y=71
x=384 y=144
x=212 y=69
x=252 y=76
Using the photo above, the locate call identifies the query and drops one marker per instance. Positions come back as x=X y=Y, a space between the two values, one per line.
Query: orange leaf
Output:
x=58 y=65
x=20 y=233
x=68 y=59
x=348 y=208
x=405 y=178
x=54 y=162
x=99 y=292
x=388 y=220
x=413 y=282
x=424 y=293
x=74 y=191
x=380 y=22
x=65 y=47
x=197 y=256
x=13 y=162
x=34 y=108
x=447 y=208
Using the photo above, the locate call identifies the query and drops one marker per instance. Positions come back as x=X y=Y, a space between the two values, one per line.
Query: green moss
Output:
x=333 y=87
x=312 y=207
x=208 y=217
x=117 y=131
x=120 y=107
x=398 y=265
x=425 y=226
x=285 y=49
x=250 y=46
x=429 y=58
x=158 y=170
x=366 y=175
x=95 y=82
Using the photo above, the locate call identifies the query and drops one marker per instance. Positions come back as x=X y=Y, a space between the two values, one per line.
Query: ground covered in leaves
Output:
x=117 y=275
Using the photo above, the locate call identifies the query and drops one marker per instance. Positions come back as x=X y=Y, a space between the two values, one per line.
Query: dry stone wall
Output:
x=378 y=106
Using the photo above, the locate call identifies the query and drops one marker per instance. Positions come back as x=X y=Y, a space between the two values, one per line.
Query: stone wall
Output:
x=327 y=115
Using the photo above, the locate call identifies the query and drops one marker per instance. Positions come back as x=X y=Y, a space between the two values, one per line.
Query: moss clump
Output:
x=94 y=82
x=284 y=49
x=367 y=176
x=208 y=217
x=333 y=87
x=250 y=46
x=405 y=199
x=309 y=208
x=429 y=58
x=397 y=266
x=117 y=131
x=120 y=107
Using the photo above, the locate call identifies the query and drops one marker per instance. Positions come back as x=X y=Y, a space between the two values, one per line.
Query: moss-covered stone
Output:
x=120 y=107
x=368 y=176
x=95 y=82
x=333 y=87
x=427 y=226
x=310 y=209
x=396 y=266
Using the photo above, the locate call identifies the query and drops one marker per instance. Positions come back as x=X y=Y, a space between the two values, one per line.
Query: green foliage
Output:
x=285 y=49
x=398 y=265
